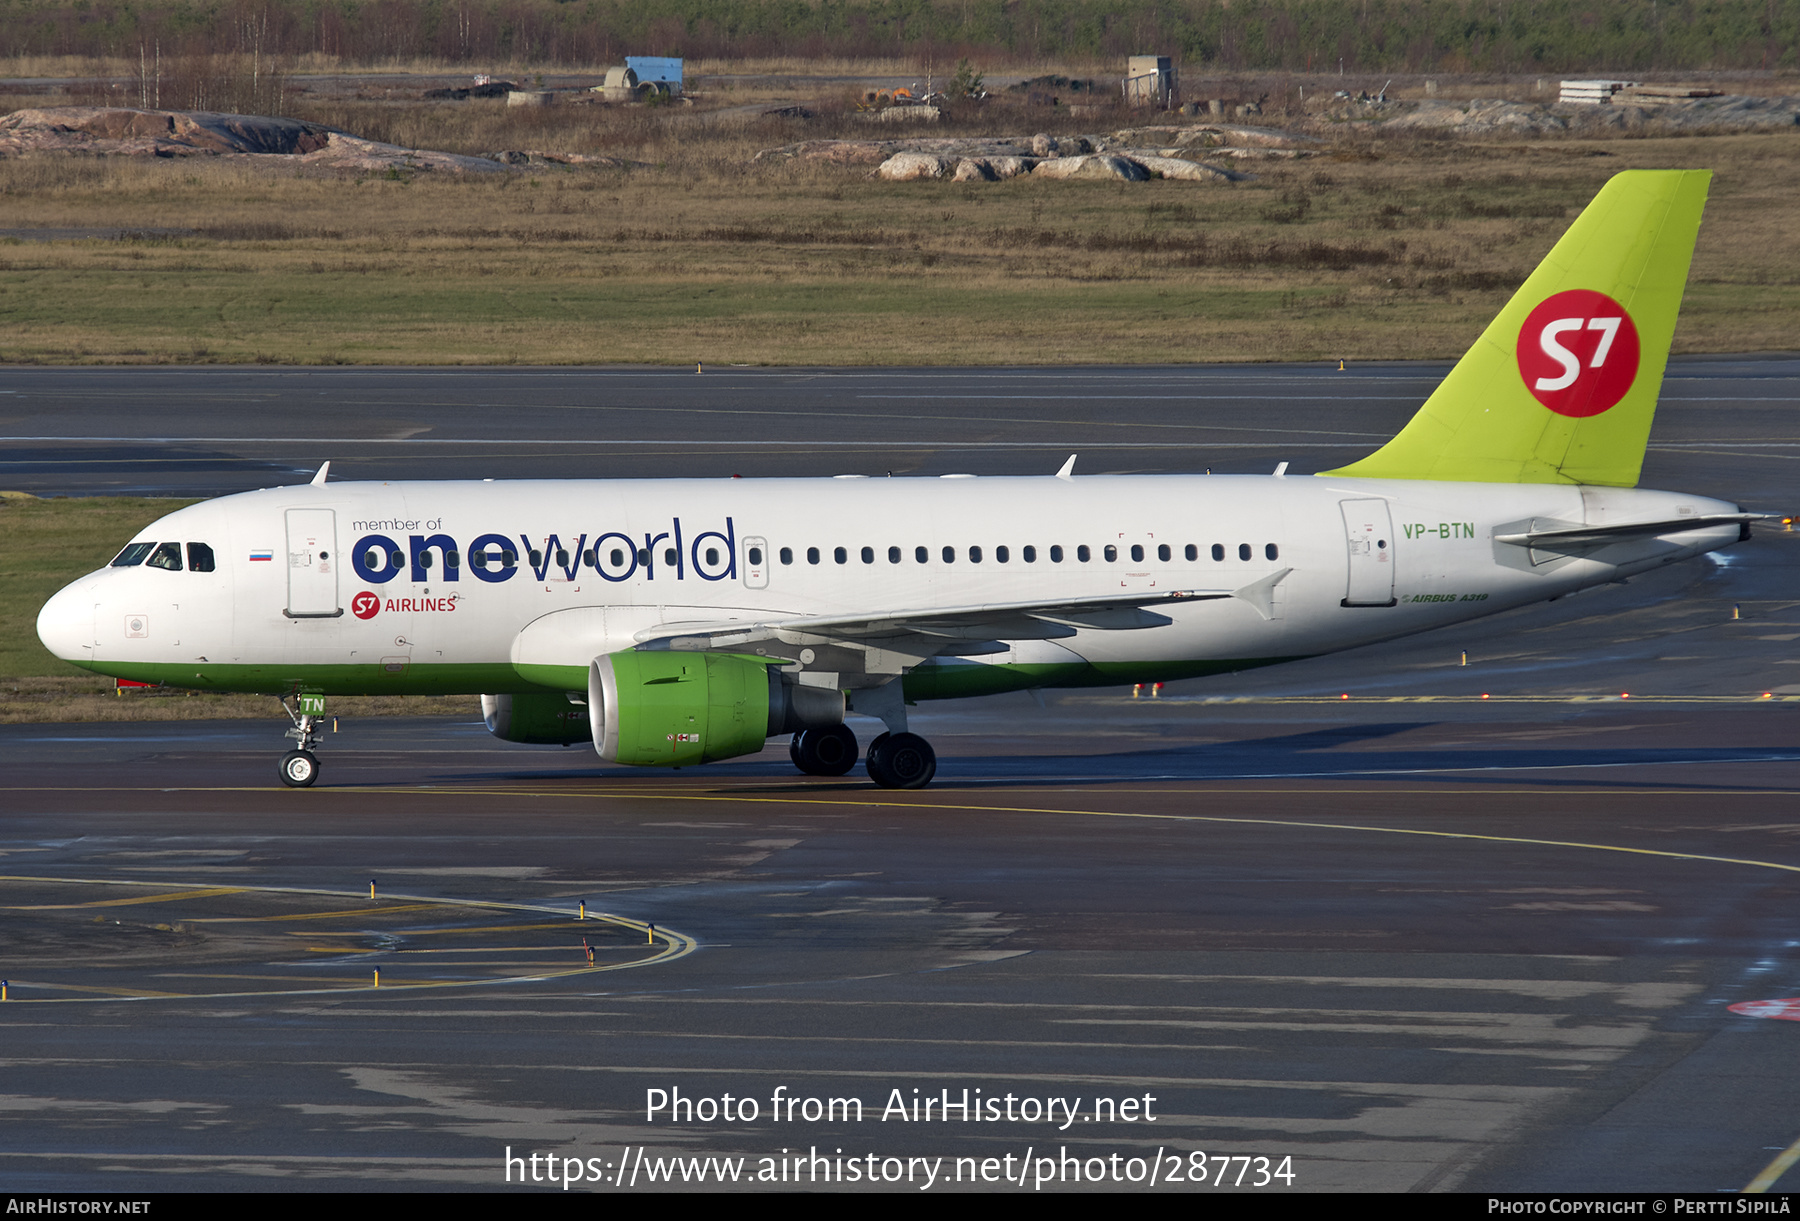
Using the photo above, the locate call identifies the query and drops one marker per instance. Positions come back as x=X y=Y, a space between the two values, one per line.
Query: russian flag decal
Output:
x=262 y=553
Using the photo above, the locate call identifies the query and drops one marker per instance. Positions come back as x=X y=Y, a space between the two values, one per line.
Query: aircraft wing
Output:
x=931 y=630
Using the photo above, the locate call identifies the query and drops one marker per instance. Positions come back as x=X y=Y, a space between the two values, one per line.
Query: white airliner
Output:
x=681 y=621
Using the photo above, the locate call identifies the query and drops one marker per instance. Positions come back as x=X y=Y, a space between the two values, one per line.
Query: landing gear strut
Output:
x=901 y=761
x=300 y=767
x=829 y=751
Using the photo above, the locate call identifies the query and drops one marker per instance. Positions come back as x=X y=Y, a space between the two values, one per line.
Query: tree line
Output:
x=1241 y=35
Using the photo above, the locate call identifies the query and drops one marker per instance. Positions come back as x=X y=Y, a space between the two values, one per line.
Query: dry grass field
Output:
x=1376 y=249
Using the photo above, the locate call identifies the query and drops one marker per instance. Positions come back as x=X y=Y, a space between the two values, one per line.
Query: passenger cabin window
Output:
x=1272 y=551
x=868 y=555
x=1030 y=554
x=1056 y=555
x=1218 y=551
x=921 y=555
x=1111 y=553
x=812 y=555
x=1162 y=552
x=133 y=555
x=974 y=555
x=787 y=555
x=840 y=555
x=1137 y=553
x=166 y=555
x=1243 y=551
x=755 y=556
x=200 y=557
x=949 y=555
x=1192 y=552
x=893 y=555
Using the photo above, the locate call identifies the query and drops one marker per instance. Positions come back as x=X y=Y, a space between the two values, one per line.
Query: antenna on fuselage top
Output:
x=1068 y=468
x=320 y=477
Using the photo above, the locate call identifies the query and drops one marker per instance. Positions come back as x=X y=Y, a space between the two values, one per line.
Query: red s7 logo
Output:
x=1578 y=352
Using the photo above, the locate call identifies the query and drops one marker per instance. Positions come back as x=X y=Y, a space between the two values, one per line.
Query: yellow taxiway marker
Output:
x=1772 y=1173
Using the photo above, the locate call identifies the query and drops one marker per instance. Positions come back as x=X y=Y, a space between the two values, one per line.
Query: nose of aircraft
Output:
x=66 y=624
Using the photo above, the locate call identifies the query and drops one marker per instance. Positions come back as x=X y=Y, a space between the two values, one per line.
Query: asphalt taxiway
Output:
x=1412 y=939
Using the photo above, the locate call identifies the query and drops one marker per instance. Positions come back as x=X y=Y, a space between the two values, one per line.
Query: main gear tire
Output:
x=901 y=761
x=827 y=751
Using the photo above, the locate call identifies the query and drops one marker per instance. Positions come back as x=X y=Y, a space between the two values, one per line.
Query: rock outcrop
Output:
x=909 y=167
x=163 y=133
x=1099 y=165
x=994 y=158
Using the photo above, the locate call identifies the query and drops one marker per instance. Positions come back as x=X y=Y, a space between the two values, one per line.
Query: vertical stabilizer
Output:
x=1562 y=386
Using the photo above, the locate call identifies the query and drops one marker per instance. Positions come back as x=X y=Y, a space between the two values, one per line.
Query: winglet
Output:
x=319 y=478
x=1068 y=469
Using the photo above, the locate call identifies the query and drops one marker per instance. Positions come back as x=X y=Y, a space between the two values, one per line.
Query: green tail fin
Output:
x=1562 y=386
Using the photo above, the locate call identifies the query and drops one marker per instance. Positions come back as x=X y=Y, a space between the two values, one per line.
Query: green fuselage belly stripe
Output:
x=414 y=678
x=488 y=678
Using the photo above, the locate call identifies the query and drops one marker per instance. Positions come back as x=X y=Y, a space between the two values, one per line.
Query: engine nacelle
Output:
x=544 y=718
x=671 y=709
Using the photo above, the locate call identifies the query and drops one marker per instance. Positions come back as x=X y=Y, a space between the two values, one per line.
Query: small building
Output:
x=664 y=75
x=1150 y=81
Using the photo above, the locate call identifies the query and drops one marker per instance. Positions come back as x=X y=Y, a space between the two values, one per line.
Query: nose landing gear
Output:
x=300 y=767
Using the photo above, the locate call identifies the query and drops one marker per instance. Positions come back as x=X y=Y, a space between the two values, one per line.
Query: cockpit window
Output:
x=166 y=555
x=133 y=555
x=200 y=557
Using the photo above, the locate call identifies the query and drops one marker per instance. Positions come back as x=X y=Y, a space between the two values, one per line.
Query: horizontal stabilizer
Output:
x=1596 y=535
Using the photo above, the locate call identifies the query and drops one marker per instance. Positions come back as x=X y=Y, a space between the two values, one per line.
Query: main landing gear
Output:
x=896 y=760
x=830 y=751
x=300 y=767
x=901 y=761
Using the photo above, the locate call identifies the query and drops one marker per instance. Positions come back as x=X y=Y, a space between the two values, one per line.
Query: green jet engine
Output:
x=670 y=709
x=547 y=718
